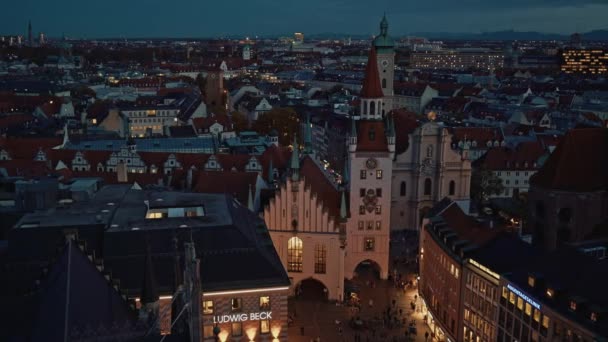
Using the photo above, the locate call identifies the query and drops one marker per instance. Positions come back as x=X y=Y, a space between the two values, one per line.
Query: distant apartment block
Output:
x=459 y=59
x=585 y=61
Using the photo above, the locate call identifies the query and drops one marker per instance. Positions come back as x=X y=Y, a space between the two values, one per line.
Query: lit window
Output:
x=320 y=259
x=546 y=321
x=237 y=304
x=505 y=293
x=378 y=174
x=361 y=225
x=265 y=303
x=378 y=209
x=361 y=210
x=369 y=244
x=512 y=297
x=550 y=293
x=536 y=315
x=593 y=317
x=378 y=225
x=154 y=215
x=528 y=310
x=520 y=303
x=294 y=255
x=370 y=225
x=264 y=326
x=363 y=174
x=207 y=307
x=572 y=305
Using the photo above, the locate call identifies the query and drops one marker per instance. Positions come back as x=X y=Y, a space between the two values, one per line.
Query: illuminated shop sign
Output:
x=242 y=317
x=523 y=296
x=485 y=269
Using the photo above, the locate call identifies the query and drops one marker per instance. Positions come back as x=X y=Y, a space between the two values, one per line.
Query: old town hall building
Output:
x=323 y=230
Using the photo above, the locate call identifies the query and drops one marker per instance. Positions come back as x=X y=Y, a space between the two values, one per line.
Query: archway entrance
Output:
x=311 y=289
x=367 y=270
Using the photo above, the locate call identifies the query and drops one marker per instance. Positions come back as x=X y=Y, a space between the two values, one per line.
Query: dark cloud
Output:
x=197 y=18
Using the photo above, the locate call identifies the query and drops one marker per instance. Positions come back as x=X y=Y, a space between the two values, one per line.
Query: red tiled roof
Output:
x=205 y=123
x=371 y=83
x=51 y=108
x=25 y=168
x=579 y=163
x=479 y=134
x=523 y=157
x=321 y=186
x=405 y=124
x=466 y=227
x=371 y=136
x=228 y=182
x=27 y=148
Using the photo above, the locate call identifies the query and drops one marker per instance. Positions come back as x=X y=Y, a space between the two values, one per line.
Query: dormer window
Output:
x=573 y=305
x=550 y=293
x=531 y=281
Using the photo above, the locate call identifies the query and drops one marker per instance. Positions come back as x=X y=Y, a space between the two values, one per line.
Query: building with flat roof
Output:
x=585 y=61
x=242 y=286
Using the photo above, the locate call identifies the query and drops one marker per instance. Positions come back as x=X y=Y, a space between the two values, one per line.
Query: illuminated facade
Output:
x=458 y=60
x=585 y=61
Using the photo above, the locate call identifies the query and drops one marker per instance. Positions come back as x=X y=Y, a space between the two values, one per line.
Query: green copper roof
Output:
x=383 y=40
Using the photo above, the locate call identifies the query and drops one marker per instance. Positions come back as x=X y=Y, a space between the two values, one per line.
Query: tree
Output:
x=284 y=120
x=485 y=183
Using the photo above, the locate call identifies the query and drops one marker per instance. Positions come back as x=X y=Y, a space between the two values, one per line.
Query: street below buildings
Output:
x=385 y=311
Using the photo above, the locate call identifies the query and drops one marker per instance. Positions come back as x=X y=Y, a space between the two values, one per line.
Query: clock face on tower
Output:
x=385 y=63
x=212 y=75
x=371 y=163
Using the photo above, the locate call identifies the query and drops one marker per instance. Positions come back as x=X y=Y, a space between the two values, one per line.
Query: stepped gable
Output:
x=321 y=186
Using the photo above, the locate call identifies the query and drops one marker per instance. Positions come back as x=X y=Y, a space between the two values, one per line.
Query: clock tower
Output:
x=371 y=151
x=385 y=49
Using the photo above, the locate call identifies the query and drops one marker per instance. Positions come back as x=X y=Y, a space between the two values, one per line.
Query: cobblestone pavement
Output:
x=318 y=319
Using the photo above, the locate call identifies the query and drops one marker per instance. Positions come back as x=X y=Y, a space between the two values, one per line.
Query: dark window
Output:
x=362 y=192
x=540 y=209
x=427 y=186
x=452 y=188
x=564 y=215
x=378 y=192
x=402 y=189
x=372 y=108
x=384 y=83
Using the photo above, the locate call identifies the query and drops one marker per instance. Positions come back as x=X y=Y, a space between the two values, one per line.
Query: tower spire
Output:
x=343 y=212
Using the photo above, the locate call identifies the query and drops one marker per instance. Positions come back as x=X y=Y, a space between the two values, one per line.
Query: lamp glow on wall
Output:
x=275 y=331
x=223 y=335
x=251 y=333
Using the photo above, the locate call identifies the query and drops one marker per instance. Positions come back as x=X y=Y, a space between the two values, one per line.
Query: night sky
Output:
x=208 y=18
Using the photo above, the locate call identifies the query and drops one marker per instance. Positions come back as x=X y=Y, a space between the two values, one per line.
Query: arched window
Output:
x=452 y=188
x=384 y=83
x=294 y=255
x=364 y=104
x=427 y=186
x=372 y=108
x=402 y=189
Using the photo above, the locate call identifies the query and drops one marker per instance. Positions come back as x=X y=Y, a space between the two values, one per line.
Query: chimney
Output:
x=121 y=172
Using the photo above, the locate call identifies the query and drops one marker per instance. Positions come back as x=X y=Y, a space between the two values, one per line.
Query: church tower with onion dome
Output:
x=385 y=50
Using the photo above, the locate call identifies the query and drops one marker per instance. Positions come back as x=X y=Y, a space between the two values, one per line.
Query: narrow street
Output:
x=316 y=318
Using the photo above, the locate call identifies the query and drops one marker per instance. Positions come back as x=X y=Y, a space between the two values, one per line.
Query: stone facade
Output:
x=426 y=172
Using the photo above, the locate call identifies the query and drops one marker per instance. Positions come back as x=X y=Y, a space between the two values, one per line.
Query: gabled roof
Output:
x=320 y=185
x=229 y=182
x=579 y=163
x=524 y=157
